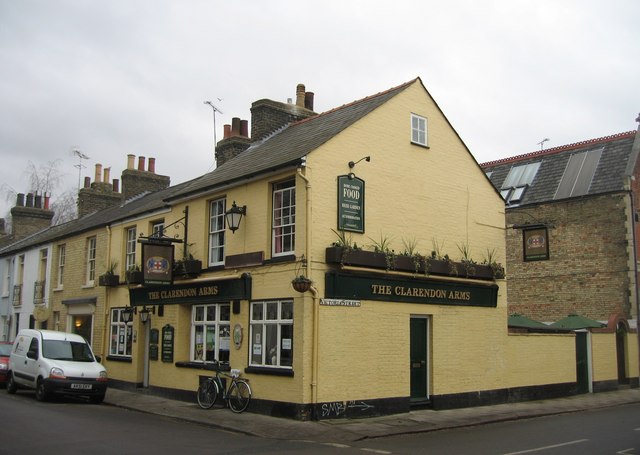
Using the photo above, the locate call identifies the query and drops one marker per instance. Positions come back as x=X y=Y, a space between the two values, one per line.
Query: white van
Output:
x=55 y=363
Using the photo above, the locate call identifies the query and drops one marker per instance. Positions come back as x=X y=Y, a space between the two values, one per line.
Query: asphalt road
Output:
x=74 y=427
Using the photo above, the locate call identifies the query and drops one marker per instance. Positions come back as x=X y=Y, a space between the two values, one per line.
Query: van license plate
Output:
x=81 y=386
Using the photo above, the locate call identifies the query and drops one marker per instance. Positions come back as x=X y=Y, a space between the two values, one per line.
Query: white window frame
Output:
x=6 y=279
x=120 y=335
x=62 y=253
x=217 y=207
x=157 y=228
x=269 y=319
x=216 y=316
x=419 y=130
x=283 y=222
x=91 y=261
x=130 y=248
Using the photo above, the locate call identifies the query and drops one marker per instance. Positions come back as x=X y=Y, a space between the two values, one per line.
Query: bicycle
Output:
x=237 y=395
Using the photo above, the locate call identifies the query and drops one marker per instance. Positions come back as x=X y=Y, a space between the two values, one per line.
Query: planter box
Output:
x=188 y=268
x=134 y=277
x=109 y=280
x=362 y=258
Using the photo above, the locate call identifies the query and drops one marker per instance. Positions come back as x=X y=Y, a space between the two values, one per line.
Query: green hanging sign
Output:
x=350 y=203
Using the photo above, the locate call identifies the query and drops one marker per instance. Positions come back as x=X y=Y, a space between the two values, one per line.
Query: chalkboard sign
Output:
x=153 y=352
x=153 y=336
x=167 y=343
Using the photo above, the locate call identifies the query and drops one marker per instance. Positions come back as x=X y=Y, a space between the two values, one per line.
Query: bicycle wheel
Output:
x=207 y=394
x=239 y=396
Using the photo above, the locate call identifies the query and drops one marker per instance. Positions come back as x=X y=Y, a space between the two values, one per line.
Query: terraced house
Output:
x=322 y=247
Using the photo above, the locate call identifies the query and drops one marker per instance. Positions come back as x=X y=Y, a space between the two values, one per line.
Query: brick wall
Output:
x=588 y=271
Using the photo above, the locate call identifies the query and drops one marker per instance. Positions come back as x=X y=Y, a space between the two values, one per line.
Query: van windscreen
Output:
x=66 y=350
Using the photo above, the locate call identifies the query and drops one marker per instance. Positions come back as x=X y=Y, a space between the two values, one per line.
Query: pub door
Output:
x=418 y=362
x=582 y=362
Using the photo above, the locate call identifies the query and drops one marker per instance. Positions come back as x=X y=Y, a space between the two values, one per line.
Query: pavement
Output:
x=351 y=430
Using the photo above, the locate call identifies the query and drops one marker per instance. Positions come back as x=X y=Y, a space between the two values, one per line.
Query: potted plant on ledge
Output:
x=188 y=266
x=134 y=275
x=301 y=283
x=109 y=278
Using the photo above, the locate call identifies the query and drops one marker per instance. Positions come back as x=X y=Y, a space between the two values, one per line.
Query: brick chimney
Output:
x=268 y=116
x=138 y=181
x=30 y=216
x=98 y=195
x=235 y=141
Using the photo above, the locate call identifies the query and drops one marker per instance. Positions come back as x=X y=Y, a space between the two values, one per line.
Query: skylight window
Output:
x=578 y=174
x=517 y=182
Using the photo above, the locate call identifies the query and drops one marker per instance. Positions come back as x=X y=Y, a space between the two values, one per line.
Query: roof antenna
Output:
x=215 y=109
x=541 y=143
x=81 y=156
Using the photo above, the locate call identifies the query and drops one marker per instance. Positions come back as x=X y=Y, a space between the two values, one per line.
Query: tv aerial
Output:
x=81 y=156
x=215 y=109
x=541 y=143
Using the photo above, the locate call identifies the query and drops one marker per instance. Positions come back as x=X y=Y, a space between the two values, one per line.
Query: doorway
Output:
x=418 y=362
x=621 y=353
x=81 y=324
x=583 y=380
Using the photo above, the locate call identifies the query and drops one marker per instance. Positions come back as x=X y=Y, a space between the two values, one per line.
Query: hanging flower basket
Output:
x=301 y=283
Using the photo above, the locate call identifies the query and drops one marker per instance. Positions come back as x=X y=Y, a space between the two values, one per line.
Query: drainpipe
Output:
x=314 y=291
x=105 y=332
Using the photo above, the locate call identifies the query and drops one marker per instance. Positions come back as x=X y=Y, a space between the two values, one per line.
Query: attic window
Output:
x=578 y=174
x=418 y=130
x=517 y=182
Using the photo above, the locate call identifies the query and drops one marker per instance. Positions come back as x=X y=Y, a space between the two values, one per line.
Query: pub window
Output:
x=130 y=249
x=271 y=334
x=210 y=332
x=418 y=130
x=284 y=218
x=121 y=334
x=216 y=232
x=6 y=280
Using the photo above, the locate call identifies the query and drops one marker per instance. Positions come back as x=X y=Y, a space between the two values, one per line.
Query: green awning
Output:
x=574 y=322
x=517 y=320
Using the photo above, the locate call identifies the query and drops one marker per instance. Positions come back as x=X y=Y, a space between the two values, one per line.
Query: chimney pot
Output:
x=46 y=202
x=244 y=128
x=107 y=175
x=116 y=185
x=235 y=126
x=308 y=100
x=98 y=173
x=227 y=131
x=87 y=182
x=20 y=200
x=300 y=95
x=38 y=201
x=141 y=163
x=131 y=160
x=152 y=165
x=30 y=200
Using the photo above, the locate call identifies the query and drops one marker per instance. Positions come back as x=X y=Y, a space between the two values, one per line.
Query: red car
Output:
x=5 y=350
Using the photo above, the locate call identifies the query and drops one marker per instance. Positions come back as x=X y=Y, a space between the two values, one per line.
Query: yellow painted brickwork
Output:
x=603 y=355
x=536 y=359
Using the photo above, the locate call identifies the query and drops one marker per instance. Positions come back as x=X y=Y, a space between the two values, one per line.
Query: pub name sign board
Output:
x=350 y=203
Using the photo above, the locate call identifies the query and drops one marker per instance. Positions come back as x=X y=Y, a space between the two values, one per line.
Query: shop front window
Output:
x=210 y=332
x=121 y=334
x=272 y=333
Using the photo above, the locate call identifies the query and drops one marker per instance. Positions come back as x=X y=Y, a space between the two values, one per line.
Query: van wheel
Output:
x=41 y=392
x=12 y=387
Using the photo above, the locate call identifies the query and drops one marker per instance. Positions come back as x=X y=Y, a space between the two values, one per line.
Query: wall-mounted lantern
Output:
x=233 y=216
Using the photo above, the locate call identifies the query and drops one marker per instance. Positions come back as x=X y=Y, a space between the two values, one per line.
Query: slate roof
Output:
x=283 y=148
x=618 y=159
x=136 y=206
x=288 y=145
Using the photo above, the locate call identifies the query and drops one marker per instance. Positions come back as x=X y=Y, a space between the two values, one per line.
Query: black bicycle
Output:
x=237 y=395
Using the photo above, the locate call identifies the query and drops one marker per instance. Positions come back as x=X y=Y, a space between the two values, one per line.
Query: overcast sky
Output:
x=119 y=77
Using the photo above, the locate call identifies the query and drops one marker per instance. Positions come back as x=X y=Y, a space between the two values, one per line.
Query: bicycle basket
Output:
x=235 y=373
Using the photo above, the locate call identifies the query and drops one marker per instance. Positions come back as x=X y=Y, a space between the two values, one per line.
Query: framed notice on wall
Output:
x=535 y=244
x=350 y=203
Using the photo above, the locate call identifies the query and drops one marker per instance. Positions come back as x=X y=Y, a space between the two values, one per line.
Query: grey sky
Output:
x=125 y=76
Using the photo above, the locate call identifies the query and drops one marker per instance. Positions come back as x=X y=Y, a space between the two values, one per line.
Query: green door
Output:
x=418 y=361
x=582 y=362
